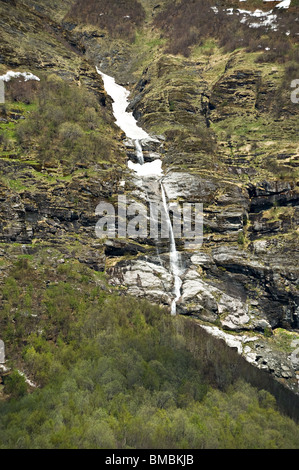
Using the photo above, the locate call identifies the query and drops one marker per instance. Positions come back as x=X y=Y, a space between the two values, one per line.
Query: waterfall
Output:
x=128 y=124
x=174 y=256
x=139 y=152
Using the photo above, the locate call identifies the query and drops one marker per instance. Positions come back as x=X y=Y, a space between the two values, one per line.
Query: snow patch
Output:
x=10 y=74
x=153 y=168
x=124 y=120
x=264 y=18
x=284 y=4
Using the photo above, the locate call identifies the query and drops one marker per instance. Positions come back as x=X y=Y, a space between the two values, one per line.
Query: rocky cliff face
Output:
x=225 y=142
x=240 y=166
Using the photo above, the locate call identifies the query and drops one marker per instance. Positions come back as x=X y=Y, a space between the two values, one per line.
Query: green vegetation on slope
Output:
x=57 y=123
x=68 y=125
x=118 y=373
x=113 y=371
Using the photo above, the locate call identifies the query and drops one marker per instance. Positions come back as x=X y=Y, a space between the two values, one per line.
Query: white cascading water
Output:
x=174 y=256
x=139 y=152
x=128 y=124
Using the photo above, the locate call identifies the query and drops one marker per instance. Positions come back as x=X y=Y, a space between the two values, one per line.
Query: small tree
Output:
x=15 y=385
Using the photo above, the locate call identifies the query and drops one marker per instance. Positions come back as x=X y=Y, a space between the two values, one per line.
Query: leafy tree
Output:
x=15 y=385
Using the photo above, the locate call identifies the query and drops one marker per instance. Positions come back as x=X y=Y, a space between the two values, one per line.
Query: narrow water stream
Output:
x=174 y=256
x=139 y=137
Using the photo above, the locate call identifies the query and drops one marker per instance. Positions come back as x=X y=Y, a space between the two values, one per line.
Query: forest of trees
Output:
x=117 y=372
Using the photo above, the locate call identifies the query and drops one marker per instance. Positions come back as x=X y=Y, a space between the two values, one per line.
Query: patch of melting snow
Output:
x=147 y=169
x=124 y=120
x=26 y=75
x=128 y=124
x=284 y=4
x=265 y=18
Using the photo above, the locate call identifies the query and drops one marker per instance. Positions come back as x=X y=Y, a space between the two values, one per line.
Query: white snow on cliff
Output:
x=124 y=119
x=26 y=75
x=263 y=18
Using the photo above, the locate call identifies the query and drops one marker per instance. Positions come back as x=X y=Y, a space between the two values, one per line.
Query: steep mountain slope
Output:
x=231 y=142
x=227 y=133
